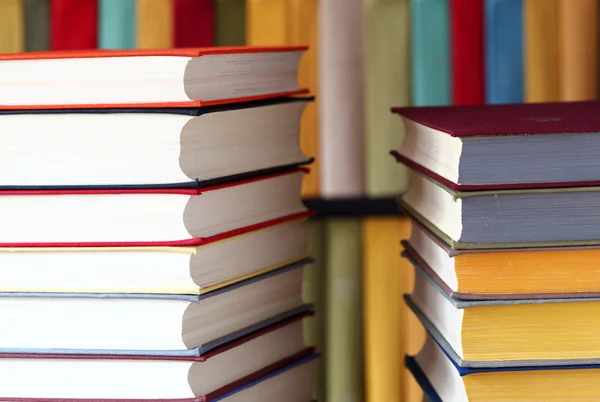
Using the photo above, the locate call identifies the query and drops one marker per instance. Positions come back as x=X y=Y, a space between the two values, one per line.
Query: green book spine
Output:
x=313 y=291
x=37 y=25
x=117 y=24
x=344 y=340
x=387 y=84
x=230 y=27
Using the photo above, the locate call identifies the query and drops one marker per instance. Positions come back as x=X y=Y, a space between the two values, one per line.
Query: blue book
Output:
x=430 y=47
x=116 y=24
x=504 y=51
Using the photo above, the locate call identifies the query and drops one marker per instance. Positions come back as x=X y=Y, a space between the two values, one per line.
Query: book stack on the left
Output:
x=152 y=234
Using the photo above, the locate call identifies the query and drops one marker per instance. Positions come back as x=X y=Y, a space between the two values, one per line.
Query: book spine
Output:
x=578 y=50
x=542 y=78
x=344 y=341
x=341 y=87
x=154 y=24
x=73 y=24
x=302 y=30
x=466 y=22
x=230 y=29
x=194 y=23
x=430 y=59
x=37 y=25
x=117 y=24
x=504 y=51
x=11 y=26
x=387 y=83
x=266 y=22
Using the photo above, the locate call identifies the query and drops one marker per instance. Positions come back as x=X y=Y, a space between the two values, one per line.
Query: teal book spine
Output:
x=117 y=24
x=430 y=53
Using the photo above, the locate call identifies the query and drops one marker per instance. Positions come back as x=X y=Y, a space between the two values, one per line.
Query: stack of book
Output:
x=152 y=233
x=505 y=244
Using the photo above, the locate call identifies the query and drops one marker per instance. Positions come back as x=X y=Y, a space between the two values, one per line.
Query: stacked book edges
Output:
x=153 y=236
x=504 y=244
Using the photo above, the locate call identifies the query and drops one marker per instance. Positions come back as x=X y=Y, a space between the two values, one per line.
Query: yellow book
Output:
x=302 y=30
x=492 y=273
x=389 y=331
x=292 y=22
x=578 y=50
x=12 y=26
x=511 y=331
x=486 y=385
x=387 y=84
x=154 y=24
x=542 y=78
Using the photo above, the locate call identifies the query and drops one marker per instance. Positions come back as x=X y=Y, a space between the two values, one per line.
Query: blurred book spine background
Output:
x=365 y=57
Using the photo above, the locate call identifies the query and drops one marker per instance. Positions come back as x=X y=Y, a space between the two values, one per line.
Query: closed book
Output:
x=444 y=381
x=341 y=94
x=37 y=25
x=117 y=24
x=146 y=217
x=266 y=22
x=504 y=146
x=387 y=82
x=154 y=24
x=148 y=377
x=190 y=270
x=149 y=324
x=430 y=52
x=73 y=24
x=508 y=333
x=230 y=26
x=193 y=24
x=520 y=218
x=12 y=26
x=504 y=51
x=344 y=330
x=142 y=148
x=147 y=78
x=578 y=22
x=541 y=38
x=466 y=33
x=519 y=273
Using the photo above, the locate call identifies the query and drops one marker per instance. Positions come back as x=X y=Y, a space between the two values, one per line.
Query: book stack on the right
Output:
x=505 y=243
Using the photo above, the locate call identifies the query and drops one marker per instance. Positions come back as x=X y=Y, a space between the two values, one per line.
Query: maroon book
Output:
x=466 y=28
x=489 y=147
x=194 y=26
x=74 y=24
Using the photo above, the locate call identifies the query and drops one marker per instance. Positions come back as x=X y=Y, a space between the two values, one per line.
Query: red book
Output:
x=509 y=146
x=74 y=24
x=466 y=21
x=194 y=26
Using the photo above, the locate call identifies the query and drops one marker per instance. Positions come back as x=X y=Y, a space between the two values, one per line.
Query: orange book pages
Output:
x=388 y=333
x=11 y=26
x=155 y=24
x=556 y=271
x=578 y=50
x=542 y=78
x=302 y=30
x=266 y=22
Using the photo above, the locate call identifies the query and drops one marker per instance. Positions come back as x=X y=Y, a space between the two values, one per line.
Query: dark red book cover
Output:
x=73 y=24
x=511 y=119
x=194 y=23
x=466 y=31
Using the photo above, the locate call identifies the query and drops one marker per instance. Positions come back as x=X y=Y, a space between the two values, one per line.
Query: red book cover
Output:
x=466 y=22
x=509 y=119
x=74 y=24
x=194 y=23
